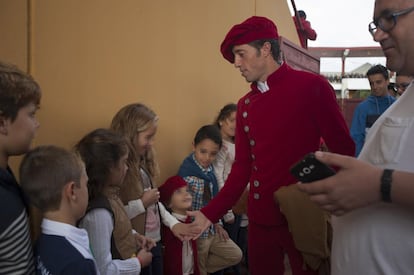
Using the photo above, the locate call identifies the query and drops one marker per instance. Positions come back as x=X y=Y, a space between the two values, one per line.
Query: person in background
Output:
x=180 y=257
x=19 y=100
x=139 y=125
x=234 y=224
x=116 y=247
x=304 y=29
x=55 y=181
x=215 y=250
x=392 y=91
x=373 y=196
x=368 y=111
x=226 y=122
x=402 y=82
x=277 y=123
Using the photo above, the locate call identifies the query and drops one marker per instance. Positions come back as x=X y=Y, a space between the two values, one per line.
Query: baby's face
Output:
x=181 y=199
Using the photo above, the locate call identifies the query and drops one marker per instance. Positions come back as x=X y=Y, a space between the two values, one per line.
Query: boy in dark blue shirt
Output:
x=55 y=181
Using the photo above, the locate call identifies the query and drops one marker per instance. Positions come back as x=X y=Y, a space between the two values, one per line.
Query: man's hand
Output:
x=229 y=217
x=200 y=223
x=184 y=231
x=357 y=184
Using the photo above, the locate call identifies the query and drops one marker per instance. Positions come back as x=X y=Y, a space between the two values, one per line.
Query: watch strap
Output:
x=386 y=181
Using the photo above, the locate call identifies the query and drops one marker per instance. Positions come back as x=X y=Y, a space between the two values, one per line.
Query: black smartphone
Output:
x=310 y=169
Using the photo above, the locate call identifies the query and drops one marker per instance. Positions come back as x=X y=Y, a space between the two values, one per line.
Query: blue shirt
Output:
x=372 y=107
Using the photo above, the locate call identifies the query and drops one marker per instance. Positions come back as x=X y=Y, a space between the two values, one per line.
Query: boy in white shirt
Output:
x=55 y=181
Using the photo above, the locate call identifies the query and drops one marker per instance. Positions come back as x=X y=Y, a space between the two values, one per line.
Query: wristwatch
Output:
x=386 y=180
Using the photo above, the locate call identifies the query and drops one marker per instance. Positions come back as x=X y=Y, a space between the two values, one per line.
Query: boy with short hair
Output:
x=180 y=257
x=55 y=181
x=369 y=110
x=19 y=99
x=216 y=250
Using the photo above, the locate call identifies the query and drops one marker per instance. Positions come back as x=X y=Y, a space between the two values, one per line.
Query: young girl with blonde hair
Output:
x=139 y=124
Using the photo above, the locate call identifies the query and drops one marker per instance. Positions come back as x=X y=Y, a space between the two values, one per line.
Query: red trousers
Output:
x=267 y=246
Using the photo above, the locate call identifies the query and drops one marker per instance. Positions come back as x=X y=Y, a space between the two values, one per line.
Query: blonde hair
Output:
x=129 y=121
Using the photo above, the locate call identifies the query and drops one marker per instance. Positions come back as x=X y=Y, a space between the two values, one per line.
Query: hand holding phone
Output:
x=310 y=169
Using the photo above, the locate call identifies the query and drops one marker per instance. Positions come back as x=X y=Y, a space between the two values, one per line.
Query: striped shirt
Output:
x=16 y=255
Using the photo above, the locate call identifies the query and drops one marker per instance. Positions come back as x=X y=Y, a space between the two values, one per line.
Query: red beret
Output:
x=169 y=186
x=253 y=28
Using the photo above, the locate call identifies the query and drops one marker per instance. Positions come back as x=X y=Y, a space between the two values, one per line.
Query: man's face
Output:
x=379 y=85
x=250 y=62
x=397 y=43
x=402 y=82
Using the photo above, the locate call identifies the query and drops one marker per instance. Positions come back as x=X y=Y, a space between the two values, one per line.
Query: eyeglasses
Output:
x=387 y=22
x=402 y=85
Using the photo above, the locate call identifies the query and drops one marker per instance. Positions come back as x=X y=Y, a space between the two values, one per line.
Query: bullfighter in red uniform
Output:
x=279 y=121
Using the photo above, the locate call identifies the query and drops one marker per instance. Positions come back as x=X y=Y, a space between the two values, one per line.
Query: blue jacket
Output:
x=190 y=168
x=365 y=114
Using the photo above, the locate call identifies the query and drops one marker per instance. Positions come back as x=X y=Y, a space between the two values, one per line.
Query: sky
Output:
x=340 y=23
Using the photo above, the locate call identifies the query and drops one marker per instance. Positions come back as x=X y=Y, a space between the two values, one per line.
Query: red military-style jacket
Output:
x=274 y=130
x=305 y=33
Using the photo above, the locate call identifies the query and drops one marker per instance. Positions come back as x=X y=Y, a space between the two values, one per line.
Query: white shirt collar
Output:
x=179 y=217
x=262 y=86
x=77 y=237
